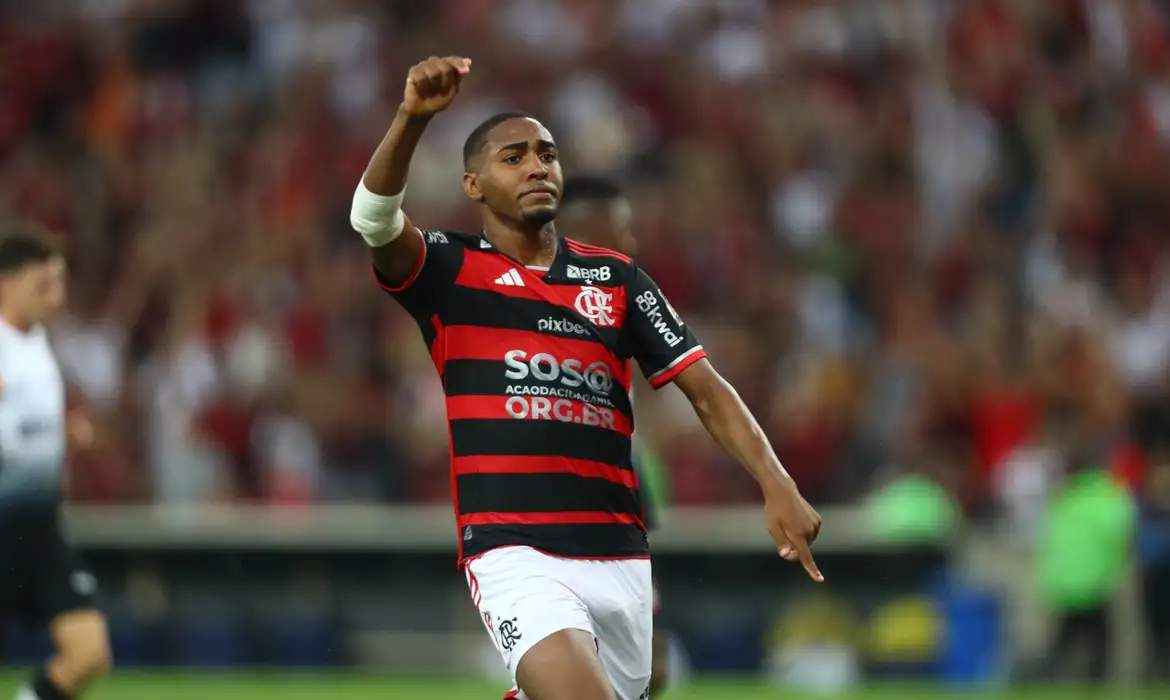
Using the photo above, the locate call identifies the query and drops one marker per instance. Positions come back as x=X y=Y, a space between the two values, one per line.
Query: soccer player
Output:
x=41 y=579
x=532 y=337
x=594 y=210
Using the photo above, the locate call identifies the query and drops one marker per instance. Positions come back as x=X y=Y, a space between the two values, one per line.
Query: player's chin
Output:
x=539 y=214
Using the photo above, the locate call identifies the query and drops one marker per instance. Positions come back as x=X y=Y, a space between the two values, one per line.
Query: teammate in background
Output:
x=532 y=337
x=41 y=579
x=593 y=210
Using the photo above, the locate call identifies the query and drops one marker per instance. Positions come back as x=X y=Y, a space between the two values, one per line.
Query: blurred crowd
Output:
x=919 y=236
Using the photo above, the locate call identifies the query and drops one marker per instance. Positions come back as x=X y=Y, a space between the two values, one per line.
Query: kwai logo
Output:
x=648 y=304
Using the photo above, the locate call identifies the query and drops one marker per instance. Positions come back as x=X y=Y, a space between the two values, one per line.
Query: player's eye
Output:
x=548 y=156
x=512 y=159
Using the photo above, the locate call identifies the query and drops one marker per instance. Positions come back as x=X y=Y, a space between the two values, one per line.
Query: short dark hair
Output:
x=20 y=246
x=589 y=188
x=478 y=137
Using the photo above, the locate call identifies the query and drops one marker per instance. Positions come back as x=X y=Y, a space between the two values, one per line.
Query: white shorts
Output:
x=524 y=595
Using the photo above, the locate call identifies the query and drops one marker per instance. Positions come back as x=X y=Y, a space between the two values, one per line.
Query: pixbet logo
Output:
x=568 y=372
x=596 y=305
x=561 y=325
x=597 y=274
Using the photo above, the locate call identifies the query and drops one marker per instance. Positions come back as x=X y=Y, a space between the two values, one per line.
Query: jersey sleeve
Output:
x=661 y=343
x=431 y=278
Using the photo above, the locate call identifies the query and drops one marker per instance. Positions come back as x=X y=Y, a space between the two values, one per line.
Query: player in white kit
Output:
x=41 y=579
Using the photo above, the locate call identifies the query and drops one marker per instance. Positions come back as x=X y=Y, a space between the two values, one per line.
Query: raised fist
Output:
x=433 y=83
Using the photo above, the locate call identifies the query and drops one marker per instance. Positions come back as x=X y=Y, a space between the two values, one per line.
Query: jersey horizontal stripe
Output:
x=561 y=493
x=489 y=378
x=483 y=307
x=518 y=407
x=603 y=541
x=515 y=464
x=477 y=342
x=588 y=517
x=515 y=437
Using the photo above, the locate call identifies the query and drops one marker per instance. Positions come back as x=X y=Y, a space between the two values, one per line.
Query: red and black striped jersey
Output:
x=536 y=368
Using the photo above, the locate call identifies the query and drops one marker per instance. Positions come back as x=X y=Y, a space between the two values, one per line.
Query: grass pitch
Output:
x=283 y=685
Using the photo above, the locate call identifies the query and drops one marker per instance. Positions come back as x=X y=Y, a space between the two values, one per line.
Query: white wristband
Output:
x=377 y=217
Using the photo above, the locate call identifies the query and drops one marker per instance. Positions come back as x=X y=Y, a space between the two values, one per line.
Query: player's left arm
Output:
x=668 y=352
x=792 y=522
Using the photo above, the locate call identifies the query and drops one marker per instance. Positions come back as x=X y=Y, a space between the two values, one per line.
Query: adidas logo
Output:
x=511 y=278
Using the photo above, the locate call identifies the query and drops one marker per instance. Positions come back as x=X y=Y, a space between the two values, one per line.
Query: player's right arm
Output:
x=396 y=244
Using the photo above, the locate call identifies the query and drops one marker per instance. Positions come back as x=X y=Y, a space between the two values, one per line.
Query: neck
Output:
x=527 y=244
x=14 y=319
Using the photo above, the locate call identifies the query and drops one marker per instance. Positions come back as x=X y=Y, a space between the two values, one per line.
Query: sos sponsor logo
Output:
x=593 y=274
x=563 y=410
x=648 y=304
x=561 y=325
x=570 y=373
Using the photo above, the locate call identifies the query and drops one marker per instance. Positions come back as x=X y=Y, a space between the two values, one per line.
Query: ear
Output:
x=471 y=186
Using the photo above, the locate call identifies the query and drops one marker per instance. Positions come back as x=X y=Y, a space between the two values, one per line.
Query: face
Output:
x=607 y=224
x=36 y=290
x=517 y=174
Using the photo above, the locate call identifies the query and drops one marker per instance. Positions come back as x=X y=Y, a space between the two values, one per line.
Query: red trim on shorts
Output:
x=512 y=694
x=414 y=271
x=473 y=585
x=566 y=517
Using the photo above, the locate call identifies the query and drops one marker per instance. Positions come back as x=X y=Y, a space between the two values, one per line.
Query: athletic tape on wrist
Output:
x=378 y=218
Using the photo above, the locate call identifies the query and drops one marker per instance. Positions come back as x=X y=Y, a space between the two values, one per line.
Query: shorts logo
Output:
x=467 y=534
x=601 y=274
x=509 y=634
x=434 y=237
x=596 y=305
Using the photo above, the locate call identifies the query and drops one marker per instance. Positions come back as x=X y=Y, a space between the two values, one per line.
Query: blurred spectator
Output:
x=1085 y=549
x=893 y=224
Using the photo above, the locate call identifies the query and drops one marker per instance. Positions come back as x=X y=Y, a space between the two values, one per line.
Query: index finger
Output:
x=461 y=64
x=806 y=559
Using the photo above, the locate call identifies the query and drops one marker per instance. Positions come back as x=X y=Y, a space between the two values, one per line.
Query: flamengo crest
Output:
x=596 y=305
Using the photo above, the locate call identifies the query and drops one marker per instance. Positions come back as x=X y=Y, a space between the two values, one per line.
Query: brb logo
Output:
x=597 y=274
x=596 y=305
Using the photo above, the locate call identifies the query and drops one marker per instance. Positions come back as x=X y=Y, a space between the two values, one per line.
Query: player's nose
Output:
x=539 y=169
